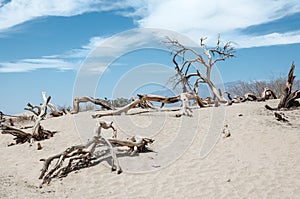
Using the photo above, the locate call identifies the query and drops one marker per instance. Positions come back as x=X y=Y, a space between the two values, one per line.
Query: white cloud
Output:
x=200 y=18
x=19 y=11
x=69 y=60
x=194 y=18
x=25 y=65
x=269 y=39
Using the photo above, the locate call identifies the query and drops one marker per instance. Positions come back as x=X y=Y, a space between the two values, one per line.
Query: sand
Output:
x=261 y=158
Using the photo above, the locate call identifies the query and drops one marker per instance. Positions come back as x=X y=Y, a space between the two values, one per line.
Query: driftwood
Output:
x=37 y=112
x=22 y=137
x=135 y=143
x=81 y=156
x=38 y=133
x=226 y=132
x=84 y=99
x=32 y=108
x=266 y=95
x=145 y=104
x=184 y=97
x=124 y=109
x=230 y=100
x=288 y=98
x=280 y=117
x=249 y=97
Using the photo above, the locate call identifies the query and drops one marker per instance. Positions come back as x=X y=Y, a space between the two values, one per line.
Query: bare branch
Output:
x=207 y=58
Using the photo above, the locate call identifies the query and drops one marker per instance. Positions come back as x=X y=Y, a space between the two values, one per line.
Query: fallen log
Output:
x=184 y=110
x=124 y=109
x=85 y=99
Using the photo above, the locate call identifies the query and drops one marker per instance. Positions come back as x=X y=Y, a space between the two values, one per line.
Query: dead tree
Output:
x=38 y=132
x=208 y=58
x=289 y=97
x=184 y=110
x=85 y=99
x=80 y=156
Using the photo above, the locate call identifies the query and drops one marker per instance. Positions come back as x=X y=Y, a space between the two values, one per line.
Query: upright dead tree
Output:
x=289 y=97
x=208 y=58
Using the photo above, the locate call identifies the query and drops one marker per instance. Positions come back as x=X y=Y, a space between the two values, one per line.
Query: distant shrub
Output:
x=256 y=87
x=64 y=108
x=120 y=102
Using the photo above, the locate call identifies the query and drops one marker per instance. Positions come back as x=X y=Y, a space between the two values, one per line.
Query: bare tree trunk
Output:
x=216 y=92
x=288 y=98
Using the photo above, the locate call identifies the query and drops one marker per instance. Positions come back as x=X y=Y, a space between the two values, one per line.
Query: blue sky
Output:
x=45 y=44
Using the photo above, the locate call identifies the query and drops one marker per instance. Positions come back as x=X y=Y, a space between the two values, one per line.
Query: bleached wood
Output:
x=85 y=99
x=79 y=156
x=38 y=133
x=156 y=98
x=208 y=58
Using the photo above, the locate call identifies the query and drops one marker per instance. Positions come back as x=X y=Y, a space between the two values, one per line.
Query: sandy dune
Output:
x=261 y=158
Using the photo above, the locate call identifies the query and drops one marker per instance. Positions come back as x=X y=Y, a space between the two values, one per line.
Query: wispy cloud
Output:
x=199 y=18
x=69 y=60
x=26 y=65
x=19 y=11
x=194 y=18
